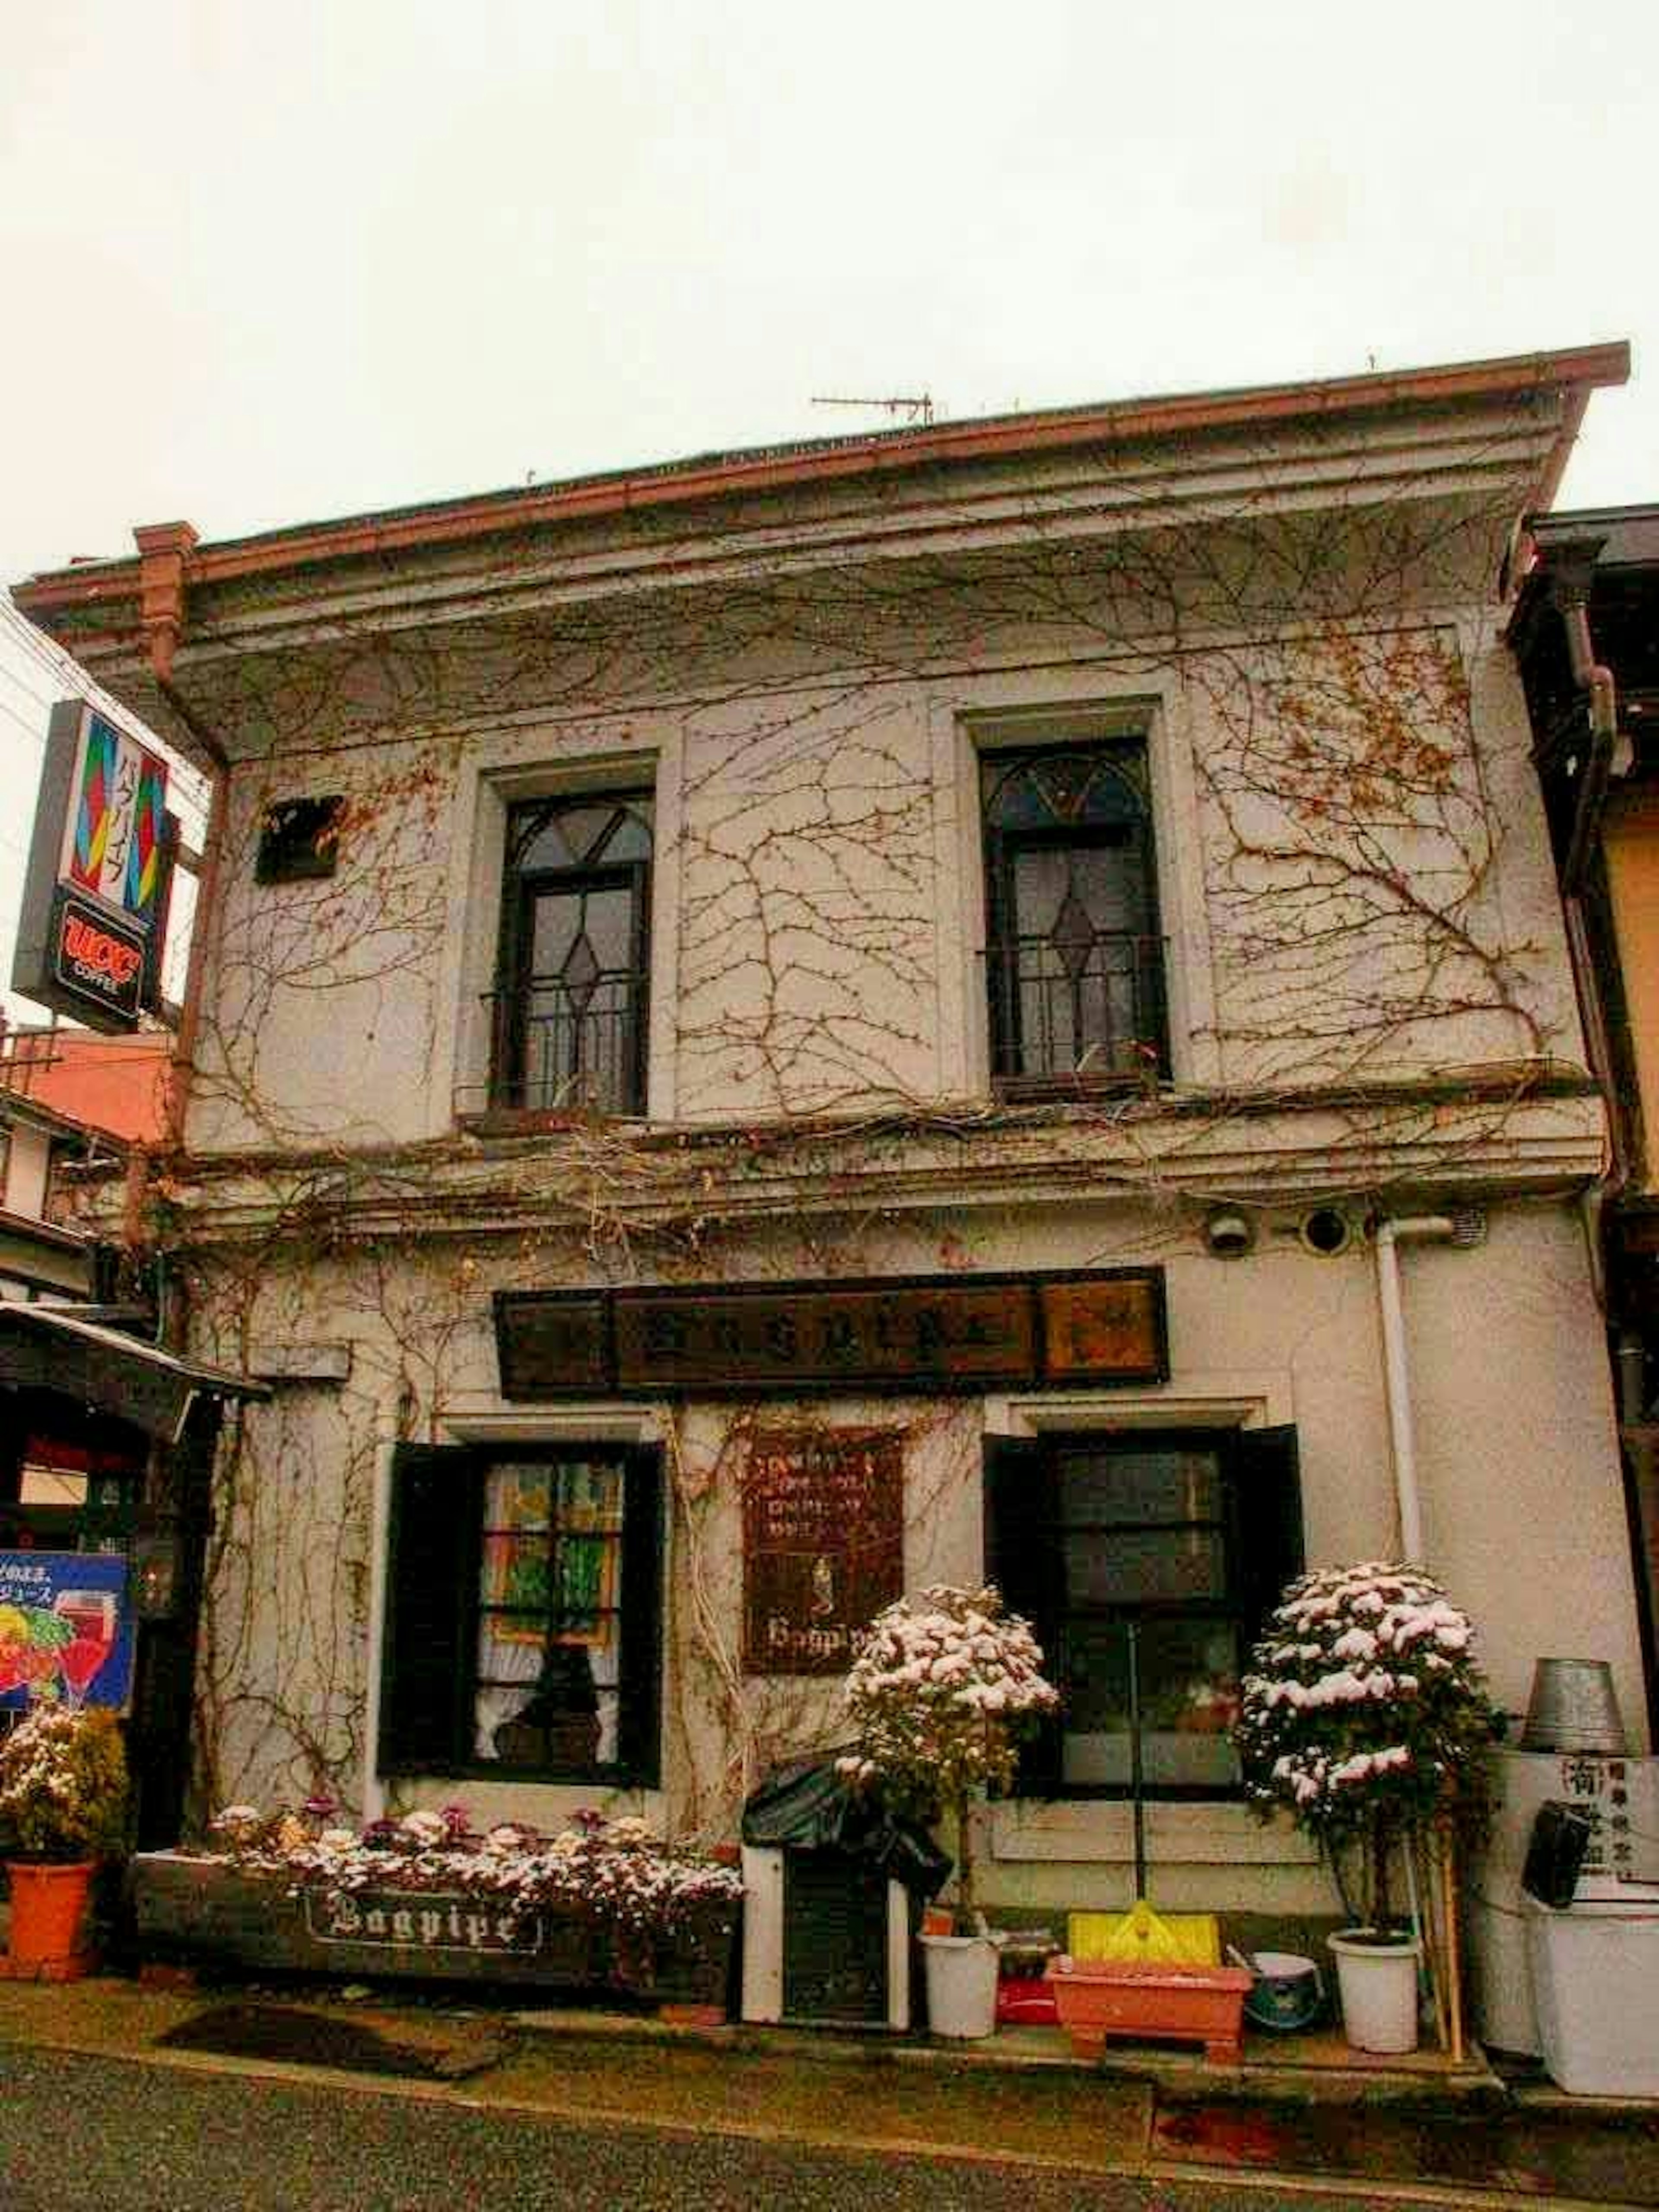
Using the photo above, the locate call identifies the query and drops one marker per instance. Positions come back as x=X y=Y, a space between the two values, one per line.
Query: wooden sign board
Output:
x=823 y=1544
x=927 y=1336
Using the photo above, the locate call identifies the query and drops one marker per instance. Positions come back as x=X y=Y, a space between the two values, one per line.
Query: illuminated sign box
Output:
x=94 y=920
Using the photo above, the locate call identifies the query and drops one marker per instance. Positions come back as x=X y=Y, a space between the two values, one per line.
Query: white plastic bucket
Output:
x=1378 y=1983
x=962 y=1984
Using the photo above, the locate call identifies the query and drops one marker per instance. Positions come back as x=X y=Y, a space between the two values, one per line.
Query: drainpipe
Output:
x=1571 y=595
x=1464 y=1229
x=1570 y=590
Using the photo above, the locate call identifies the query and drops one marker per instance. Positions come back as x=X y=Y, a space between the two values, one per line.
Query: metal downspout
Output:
x=1462 y=1228
x=1571 y=592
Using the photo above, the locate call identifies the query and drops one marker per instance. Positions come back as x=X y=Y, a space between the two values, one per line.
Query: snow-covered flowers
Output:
x=1363 y=1711
x=614 y=1873
x=63 y=1785
x=943 y=1688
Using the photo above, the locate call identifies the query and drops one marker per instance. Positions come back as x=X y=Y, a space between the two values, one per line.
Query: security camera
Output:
x=1228 y=1236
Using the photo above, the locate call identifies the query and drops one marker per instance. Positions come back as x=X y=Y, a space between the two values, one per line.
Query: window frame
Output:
x=1024 y=1535
x=429 y=1680
x=514 y=983
x=1128 y=753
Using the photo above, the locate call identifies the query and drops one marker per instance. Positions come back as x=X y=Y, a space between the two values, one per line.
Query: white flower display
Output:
x=615 y=1872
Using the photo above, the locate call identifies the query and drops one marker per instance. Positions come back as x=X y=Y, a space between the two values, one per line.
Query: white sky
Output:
x=269 y=262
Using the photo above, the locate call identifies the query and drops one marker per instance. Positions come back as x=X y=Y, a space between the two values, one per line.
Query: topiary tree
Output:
x=1363 y=1716
x=943 y=1688
x=64 y=1786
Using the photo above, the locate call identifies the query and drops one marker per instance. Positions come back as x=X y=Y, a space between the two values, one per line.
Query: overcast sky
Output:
x=269 y=262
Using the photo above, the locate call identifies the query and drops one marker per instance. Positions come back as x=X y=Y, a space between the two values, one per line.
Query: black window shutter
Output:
x=1268 y=1494
x=640 y=1683
x=1022 y=1558
x=432 y=1584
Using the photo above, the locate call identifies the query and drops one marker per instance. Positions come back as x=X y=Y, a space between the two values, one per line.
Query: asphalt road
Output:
x=95 y=2134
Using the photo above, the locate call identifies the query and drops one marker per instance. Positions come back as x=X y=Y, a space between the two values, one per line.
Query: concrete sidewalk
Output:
x=1317 y=2112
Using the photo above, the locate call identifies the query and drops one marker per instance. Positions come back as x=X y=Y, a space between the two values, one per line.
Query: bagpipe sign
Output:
x=65 y=1629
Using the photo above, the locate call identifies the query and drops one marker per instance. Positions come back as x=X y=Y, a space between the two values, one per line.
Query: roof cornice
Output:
x=1001 y=438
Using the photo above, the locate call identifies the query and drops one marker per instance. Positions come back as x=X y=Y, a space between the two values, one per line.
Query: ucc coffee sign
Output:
x=95 y=957
x=94 y=920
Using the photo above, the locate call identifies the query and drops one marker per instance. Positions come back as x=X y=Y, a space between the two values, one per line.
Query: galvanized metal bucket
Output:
x=1573 y=1707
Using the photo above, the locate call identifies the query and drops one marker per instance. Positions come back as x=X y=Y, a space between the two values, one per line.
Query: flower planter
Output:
x=48 y=1912
x=1377 y=1979
x=1100 y=1998
x=206 y=1911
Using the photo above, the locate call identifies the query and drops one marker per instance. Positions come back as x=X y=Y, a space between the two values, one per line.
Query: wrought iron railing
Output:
x=1092 y=1012
x=557 y=1048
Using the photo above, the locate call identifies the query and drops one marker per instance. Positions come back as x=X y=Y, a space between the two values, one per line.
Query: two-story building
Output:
x=988 y=1000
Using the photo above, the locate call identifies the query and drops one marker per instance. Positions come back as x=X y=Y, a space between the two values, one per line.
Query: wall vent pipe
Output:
x=1463 y=1230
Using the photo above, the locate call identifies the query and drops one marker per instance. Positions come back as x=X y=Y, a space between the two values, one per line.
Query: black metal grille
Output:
x=561 y=1045
x=1065 y=1007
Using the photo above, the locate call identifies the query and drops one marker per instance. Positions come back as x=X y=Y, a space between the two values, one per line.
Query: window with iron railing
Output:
x=1074 y=962
x=568 y=1015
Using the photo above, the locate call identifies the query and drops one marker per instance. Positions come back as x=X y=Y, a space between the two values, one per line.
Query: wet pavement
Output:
x=1305 y=2108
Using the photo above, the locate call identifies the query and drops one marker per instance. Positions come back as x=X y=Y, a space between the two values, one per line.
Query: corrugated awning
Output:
x=45 y=1347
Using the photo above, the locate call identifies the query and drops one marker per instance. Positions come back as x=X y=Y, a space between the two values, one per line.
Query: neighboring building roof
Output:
x=49 y=1346
x=1628 y=536
x=79 y=1081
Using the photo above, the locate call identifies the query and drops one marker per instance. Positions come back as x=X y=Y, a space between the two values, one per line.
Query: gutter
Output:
x=389 y=530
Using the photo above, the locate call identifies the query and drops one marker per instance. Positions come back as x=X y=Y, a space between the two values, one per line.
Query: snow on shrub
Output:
x=1364 y=1714
x=943 y=1689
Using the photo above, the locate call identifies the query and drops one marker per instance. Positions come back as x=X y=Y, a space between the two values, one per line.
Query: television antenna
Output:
x=915 y=407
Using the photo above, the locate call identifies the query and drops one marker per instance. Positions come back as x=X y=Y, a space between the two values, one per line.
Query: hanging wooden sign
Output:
x=823 y=1544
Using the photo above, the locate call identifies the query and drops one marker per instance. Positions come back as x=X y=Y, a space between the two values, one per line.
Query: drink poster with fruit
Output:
x=65 y=1630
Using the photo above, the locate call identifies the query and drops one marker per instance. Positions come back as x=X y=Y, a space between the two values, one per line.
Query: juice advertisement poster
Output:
x=65 y=1629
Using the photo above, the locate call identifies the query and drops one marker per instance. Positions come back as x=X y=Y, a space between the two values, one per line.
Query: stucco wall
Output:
x=1514 y=1454
x=1350 y=864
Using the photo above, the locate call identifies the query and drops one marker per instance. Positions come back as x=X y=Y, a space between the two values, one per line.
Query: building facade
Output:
x=988 y=1001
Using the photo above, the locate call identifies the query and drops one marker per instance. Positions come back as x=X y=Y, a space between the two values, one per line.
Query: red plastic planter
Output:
x=1100 y=1998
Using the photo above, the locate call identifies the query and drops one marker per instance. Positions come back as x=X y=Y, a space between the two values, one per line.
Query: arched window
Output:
x=1075 y=964
x=572 y=992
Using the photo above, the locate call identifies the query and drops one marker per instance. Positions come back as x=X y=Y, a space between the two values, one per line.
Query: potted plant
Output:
x=62 y=1809
x=942 y=1690
x=1363 y=1716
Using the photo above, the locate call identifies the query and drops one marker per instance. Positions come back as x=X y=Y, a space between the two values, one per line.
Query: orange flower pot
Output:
x=1098 y=1998
x=48 y=1907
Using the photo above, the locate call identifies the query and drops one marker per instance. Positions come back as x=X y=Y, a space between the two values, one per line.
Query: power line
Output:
x=22 y=722
x=11 y=670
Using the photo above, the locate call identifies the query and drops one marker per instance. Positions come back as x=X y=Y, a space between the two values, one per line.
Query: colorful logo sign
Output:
x=113 y=835
x=65 y=1629
x=92 y=921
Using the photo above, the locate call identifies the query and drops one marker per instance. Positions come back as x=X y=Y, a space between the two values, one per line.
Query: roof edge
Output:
x=779 y=467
